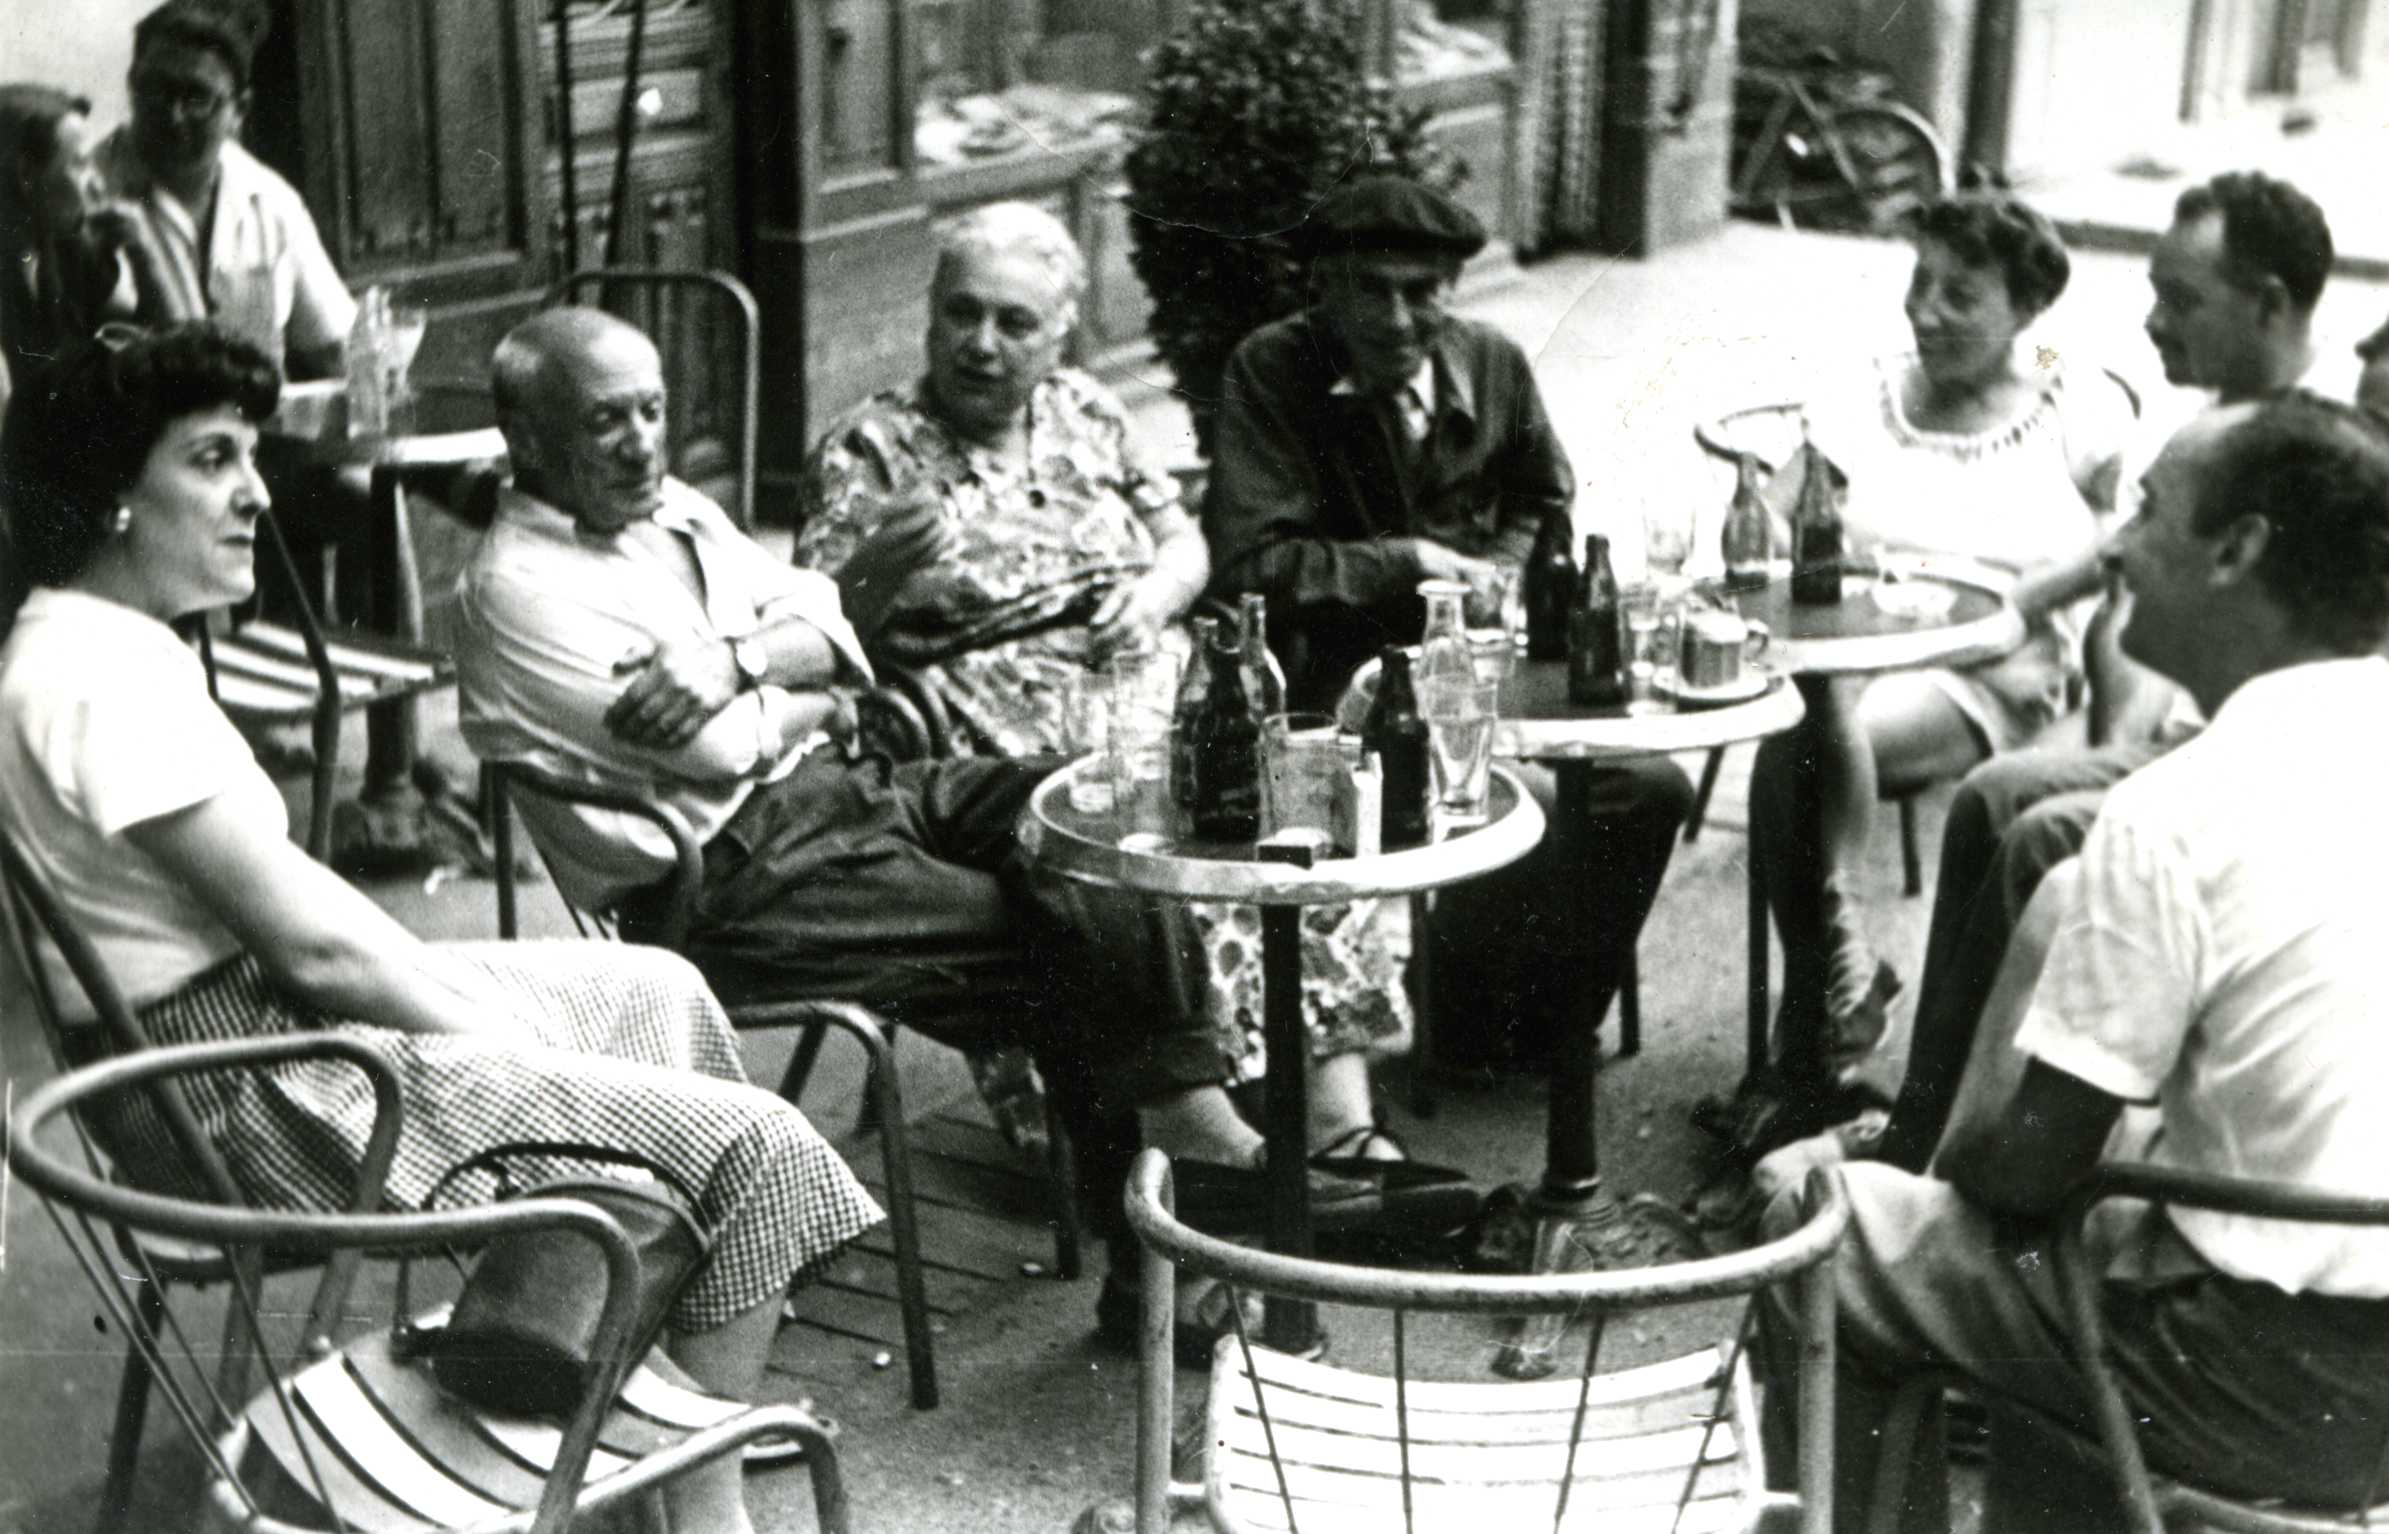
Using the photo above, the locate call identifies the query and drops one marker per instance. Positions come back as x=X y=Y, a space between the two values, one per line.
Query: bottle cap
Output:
x=1442 y=588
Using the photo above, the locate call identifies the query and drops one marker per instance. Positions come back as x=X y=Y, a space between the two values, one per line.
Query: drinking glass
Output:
x=1087 y=732
x=1138 y=755
x=1666 y=540
x=1460 y=719
x=1302 y=757
x=408 y=321
x=1643 y=603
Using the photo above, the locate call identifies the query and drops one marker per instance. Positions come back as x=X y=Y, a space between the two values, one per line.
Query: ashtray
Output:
x=1916 y=601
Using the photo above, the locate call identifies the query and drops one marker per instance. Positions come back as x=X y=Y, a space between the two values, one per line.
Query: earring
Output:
x=122 y=520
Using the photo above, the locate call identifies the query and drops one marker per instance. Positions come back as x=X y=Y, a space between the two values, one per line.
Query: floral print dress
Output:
x=995 y=626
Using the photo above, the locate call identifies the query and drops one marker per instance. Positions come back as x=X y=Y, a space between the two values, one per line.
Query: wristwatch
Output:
x=754 y=660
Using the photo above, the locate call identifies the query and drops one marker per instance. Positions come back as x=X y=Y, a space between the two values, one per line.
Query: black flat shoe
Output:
x=1345 y=1156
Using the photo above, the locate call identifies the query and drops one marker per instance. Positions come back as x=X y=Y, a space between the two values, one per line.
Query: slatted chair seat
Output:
x=401 y=1456
x=1481 y=1456
x=1671 y=1447
x=263 y=672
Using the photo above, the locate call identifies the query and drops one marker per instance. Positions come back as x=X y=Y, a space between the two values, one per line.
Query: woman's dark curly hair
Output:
x=80 y=429
x=1993 y=229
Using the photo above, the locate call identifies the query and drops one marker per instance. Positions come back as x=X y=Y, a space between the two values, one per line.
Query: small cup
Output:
x=1714 y=648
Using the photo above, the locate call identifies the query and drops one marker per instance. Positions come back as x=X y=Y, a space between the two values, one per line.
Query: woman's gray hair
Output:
x=1020 y=229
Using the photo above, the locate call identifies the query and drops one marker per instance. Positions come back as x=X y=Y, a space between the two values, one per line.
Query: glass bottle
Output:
x=368 y=393
x=1444 y=654
x=1749 y=536
x=1264 y=678
x=1550 y=585
x=1396 y=733
x=1227 y=752
x=1816 y=532
x=1192 y=687
x=1598 y=651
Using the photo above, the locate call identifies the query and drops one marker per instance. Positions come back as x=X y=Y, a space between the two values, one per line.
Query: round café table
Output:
x=1082 y=845
x=1945 y=613
x=1578 y=1222
x=452 y=430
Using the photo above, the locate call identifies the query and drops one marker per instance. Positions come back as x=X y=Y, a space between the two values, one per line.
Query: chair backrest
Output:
x=507 y=779
x=686 y=312
x=293 y=1419
x=1172 y=1248
x=2148 y=1502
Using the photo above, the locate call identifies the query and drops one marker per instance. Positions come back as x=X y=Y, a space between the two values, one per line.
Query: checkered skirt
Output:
x=611 y=1044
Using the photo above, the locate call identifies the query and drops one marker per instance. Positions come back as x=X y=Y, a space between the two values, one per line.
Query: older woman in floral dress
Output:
x=995 y=529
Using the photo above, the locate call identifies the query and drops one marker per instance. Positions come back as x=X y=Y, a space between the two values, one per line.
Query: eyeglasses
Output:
x=183 y=98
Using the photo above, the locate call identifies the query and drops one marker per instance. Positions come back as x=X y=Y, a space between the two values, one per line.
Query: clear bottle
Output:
x=1599 y=653
x=1816 y=532
x=368 y=377
x=1444 y=654
x=1264 y=678
x=1550 y=585
x=1227 y=753
x=1192 y=688
x=1396 y=734
x=1749 y=536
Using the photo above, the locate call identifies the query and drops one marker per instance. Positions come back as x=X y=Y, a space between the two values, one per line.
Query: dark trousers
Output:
x=902 y=887
x=1515 y=951
x=2012 y=819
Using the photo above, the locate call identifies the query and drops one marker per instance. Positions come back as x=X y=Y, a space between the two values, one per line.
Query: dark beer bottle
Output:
x=1264 y=678
x=1397 y=733
x=1192 y=688
x=1550 y=585
x=1227 y=752
x=1749 y=536
x=1598 y=650
x=1816 y=533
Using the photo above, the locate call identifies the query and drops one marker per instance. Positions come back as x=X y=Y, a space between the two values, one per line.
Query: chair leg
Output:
x=1911 y=861
x=1700 y=795
x=132 y=1409
x=326 y=741
x=1061 y=1175
x=1630 y=1008
x=800 y=1066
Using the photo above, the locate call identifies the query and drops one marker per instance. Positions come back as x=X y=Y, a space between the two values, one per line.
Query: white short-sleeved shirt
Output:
x=546 y=615
x=2226 y=955
x=264 y=274
x=105 y=723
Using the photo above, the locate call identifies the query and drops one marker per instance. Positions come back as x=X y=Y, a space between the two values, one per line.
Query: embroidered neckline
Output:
x=1966 y=447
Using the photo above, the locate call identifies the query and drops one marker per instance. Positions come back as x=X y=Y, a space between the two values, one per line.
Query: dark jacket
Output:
x=1308 y=504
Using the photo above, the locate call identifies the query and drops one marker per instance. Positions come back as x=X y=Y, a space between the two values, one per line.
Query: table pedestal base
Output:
x=1586 y=1230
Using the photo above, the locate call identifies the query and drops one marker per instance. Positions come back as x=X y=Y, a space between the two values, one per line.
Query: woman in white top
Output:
x=133 y=501
x=1976 y=445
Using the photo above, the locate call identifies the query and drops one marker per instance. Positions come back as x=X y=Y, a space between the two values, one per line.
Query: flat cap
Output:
x=1389 y=213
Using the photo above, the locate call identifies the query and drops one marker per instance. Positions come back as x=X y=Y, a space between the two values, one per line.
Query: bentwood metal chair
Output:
x=2152 y=1503
x=815 y=1015
x=353 y=1439
x=264 y=672
x=358 y=1436
x=1294 y=1444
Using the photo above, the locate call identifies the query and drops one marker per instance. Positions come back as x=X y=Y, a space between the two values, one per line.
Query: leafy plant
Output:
x=1255 y=110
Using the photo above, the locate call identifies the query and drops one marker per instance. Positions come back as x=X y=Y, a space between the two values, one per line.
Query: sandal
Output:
x=1347 y=1155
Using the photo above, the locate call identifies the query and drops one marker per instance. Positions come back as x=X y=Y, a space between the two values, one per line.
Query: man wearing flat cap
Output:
x=1373 y=441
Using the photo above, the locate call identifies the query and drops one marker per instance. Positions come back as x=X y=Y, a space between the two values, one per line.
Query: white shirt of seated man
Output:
x=2221 y=953
x=617 y=630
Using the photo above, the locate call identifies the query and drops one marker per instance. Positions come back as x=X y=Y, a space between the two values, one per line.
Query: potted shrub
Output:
x=1255 y=108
